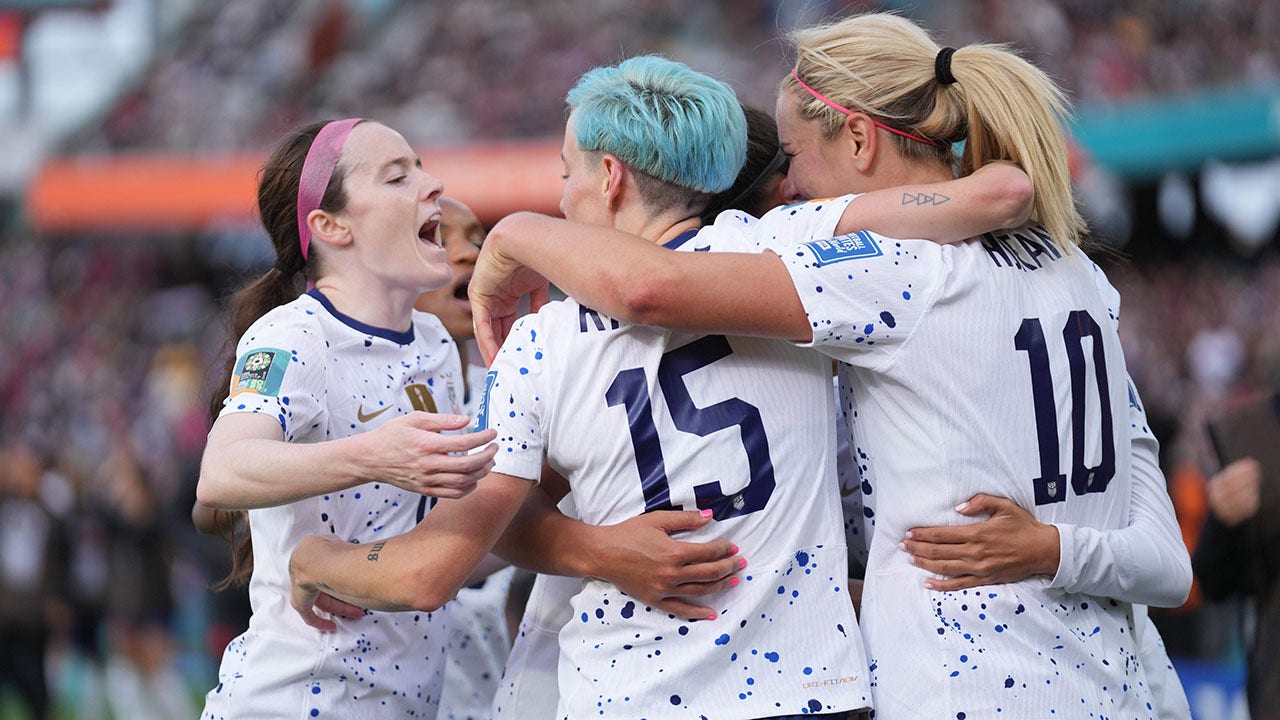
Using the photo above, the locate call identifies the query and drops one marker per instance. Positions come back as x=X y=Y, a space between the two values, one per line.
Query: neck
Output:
x=371 y=303
x=660 y=230
x=897 y=172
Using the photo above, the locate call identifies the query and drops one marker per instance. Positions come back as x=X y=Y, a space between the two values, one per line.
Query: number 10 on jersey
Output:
x=1050 y=486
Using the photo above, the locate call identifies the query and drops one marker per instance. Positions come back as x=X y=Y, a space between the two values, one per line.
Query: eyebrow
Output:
x=400 y=163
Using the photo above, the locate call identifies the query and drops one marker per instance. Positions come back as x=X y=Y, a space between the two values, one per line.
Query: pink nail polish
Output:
x=712 y=616
x=734 y=551
x=733 y=582
x=706 y=513
x=742 y=563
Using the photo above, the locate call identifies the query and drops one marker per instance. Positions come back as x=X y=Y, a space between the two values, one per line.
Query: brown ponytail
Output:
x=278 y=209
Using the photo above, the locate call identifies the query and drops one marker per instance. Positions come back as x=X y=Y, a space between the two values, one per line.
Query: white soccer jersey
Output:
x=640 y=419
x=480 y=639
x=326 y=376
x=985 y=367
x=530 y=687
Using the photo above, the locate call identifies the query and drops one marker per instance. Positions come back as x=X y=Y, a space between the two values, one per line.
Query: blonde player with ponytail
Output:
x=987 y=368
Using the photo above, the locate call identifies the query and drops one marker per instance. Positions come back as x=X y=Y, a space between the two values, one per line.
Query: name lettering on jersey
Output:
x=482 y=413
x=597 y=321
x=1023 y=249
x=420 y=397
x=845 y=247
x=260 y=371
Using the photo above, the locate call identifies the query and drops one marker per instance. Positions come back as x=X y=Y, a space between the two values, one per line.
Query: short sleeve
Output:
x=514 y=399
x=863 y=293
x=800 y=222
x=279 y=371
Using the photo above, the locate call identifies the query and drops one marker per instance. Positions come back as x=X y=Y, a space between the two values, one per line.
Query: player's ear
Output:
x=612 y=180
x=329 y=228
x=859 y=137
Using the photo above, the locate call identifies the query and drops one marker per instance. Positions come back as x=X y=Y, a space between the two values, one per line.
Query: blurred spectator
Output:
x=486 y=69
x=1238 y=557
x=32 y=578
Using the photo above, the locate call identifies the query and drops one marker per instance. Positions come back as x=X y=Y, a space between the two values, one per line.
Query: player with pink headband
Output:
x=334 y=418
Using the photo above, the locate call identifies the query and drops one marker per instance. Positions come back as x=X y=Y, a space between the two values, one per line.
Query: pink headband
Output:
x=847 y=111
x=317 y=169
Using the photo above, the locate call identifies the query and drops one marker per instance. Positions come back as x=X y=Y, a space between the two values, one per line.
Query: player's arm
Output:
x=1145 y=562
x=247 y=463
x=632 y=279
x=418 y=570
x=639 y=556
x=996 y=195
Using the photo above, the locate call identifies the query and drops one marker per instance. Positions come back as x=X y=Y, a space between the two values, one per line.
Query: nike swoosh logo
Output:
x=362 y=417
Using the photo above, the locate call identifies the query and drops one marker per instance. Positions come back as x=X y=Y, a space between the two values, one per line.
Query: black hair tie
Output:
x=283 y=269
x=942 y=66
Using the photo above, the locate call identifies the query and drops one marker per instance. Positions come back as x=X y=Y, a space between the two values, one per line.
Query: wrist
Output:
x=1051 y=542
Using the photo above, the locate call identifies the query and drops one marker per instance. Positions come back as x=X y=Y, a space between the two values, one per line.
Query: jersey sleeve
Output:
x=798 y=222
x=1146 y=562
x=279 y=371
x=864 y=294
x=513 y=401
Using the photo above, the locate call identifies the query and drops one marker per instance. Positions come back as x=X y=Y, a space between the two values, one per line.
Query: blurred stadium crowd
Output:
x=108 y=340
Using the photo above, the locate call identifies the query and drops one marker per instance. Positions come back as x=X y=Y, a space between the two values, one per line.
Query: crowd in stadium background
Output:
x=109 y=337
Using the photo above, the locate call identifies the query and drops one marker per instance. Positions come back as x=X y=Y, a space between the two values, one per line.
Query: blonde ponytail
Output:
x=1001 y=106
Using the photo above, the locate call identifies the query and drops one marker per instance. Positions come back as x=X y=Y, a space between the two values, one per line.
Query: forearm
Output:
x=633 y=280
x=418 y=570
x=1145 y=562
x=253 y=472
x=542 y=539
x=997 y=195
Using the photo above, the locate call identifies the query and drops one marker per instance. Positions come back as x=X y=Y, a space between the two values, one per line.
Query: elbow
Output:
x=1178 y=588
x=207 y=489
x=430 y=589
x=643 y=297
x=1015 y=197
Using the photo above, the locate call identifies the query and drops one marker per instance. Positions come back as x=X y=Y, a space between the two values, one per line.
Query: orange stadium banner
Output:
x=171 y=193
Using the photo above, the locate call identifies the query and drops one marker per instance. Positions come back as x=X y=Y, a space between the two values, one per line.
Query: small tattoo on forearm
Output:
x=373 y=551
x=924 y=199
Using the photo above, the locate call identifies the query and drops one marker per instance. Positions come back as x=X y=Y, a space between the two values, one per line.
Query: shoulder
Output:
x=297 y=325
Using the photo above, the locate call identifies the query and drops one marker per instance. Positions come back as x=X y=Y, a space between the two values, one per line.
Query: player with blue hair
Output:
x=666 y=124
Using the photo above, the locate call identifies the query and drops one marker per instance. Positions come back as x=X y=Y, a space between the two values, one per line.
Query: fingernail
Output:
x=734 y=551
x=909 y=535
x=742 y=563
x=712 y=616
x=734 y=582
x=962 y=506
x=902 y=546
x=928 y=584
x=912 y=560
x=706 y=513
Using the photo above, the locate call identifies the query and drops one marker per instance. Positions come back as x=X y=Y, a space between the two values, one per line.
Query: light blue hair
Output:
x=663 y=119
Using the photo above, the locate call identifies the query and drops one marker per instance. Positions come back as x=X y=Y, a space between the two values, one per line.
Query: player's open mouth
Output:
x=430 y=230
x=460 y=290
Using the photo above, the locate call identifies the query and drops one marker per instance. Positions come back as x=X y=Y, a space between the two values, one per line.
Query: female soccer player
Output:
x=986 y=367
x=330 y=423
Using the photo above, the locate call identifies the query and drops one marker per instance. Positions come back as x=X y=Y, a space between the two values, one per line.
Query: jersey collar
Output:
x=680 y=239
x=395 y=336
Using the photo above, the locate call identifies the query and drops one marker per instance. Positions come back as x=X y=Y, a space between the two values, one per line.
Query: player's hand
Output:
x=1235 y=491
x=642 y=559
x=1008 y=546
x=496 y=286
x=411 y=453
x=307 y=597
